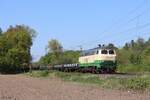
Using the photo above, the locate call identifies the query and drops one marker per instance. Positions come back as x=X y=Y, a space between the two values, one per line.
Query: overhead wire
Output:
x=139 y=27
x=130 y=20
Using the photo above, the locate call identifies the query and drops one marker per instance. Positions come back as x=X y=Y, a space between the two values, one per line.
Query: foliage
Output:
x=54 y=46
x=130 y=68
x=1 y=31
x=15 y=45
x=146 y=55
x=123 y=56
x=45 y=60
x=57 y=56
x=134 y=56
x=70 y=56
x=54 y=52
x=66 y=57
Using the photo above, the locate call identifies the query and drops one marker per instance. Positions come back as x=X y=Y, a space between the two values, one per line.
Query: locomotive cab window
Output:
x=104 y=52
x=111 y=52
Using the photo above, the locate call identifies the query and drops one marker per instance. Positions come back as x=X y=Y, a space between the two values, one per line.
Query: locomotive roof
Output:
x=97 y=48
x=92 y=51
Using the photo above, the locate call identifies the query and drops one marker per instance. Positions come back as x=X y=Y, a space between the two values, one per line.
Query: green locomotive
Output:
x=98 y=60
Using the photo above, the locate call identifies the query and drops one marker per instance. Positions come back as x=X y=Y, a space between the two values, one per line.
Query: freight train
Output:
x=97 y=60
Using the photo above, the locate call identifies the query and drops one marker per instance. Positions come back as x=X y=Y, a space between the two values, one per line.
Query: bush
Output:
x=138 y=83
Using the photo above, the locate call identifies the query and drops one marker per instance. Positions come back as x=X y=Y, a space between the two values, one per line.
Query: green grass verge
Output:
x=137 y=83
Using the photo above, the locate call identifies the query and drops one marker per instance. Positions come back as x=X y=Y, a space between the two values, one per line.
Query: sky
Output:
x=76 y=23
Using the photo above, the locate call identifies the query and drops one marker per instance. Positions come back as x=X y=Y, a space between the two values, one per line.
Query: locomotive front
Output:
x=100 y=60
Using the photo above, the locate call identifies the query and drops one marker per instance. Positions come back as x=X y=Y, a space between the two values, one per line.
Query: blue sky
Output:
x=78 y=22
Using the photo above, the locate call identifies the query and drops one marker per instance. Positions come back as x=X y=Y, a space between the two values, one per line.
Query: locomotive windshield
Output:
x=111 y=52
x=104 y=52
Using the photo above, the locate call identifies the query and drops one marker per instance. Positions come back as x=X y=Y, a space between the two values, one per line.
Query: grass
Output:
x=137 y=83
x=38 y=73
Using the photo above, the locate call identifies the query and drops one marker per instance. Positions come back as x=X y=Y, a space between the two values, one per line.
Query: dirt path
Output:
x=19 y=87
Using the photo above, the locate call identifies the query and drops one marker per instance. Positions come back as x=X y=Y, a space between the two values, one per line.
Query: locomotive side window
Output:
x=104 y=52
x=111 y=51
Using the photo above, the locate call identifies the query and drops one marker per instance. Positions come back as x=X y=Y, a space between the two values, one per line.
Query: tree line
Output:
x=57 y=55
x=135 y=53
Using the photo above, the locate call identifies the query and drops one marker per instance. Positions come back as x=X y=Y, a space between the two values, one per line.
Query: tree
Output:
x=140 y=44
x=147 y=43
x=146 y=56
x=123 y=56
x=126 y=46
x=132 y=44
x=15 y=46
x=70 y=57
x=67 y=57
x=46 y=60
x=55 y=48
x=1 y=31
x=111 y=46
x=56 y=55
x=136 y=51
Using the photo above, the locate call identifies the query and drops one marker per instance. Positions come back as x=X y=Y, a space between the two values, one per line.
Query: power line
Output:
x=111 y=27
x=138 y=7
x=136 y=17
x=139 y=27
x=137 y=23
